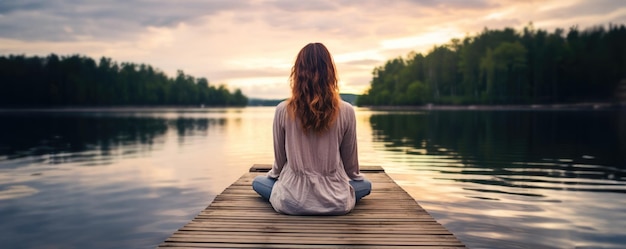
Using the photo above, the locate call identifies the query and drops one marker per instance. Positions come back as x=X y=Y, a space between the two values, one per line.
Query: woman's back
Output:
x=316 y=167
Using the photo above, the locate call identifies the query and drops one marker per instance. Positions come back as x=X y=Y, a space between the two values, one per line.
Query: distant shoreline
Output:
x=591 y=106
x=531 y=107
x=155 y=108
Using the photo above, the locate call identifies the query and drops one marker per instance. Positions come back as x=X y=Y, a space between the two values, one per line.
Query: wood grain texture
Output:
x=387 y=218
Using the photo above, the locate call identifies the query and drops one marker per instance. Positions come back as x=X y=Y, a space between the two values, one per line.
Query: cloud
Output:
x=598 y=7
x=364 y=62
x=456 y=4
x=66 y=20
x=303 y=6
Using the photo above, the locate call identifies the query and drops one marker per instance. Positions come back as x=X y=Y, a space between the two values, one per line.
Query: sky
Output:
x=252 y=44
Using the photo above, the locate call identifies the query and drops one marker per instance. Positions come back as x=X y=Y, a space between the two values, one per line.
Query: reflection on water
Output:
x=67 y=138
x=513 y=179
x=64 y=137
x=128 y=178
x=122 y=178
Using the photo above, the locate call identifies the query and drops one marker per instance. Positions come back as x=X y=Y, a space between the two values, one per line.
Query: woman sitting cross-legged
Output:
x=316 y=166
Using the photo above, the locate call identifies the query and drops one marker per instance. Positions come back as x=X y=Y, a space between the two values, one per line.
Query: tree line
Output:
x=507 y=67
x=79 y=81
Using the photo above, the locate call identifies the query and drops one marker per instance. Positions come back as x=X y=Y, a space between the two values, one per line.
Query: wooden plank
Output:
x=187 y=236
x=364 y=168
x=240 y=218
x=258 y=245
x=397 y=230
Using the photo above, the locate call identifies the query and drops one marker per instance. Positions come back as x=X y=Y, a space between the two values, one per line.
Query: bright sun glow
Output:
x=360 y=55
x=441 y=36
x=260 y=63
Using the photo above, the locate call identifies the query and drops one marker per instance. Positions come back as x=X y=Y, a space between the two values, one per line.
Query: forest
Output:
x=531 y=66
x=76 y=80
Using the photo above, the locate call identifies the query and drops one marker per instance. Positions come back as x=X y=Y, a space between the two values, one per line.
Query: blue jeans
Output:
x=263 y=186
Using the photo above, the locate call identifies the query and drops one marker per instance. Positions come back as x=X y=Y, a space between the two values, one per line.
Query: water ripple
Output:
x=498 y=179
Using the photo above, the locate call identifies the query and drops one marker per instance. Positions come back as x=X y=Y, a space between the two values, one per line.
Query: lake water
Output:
x=129 y=178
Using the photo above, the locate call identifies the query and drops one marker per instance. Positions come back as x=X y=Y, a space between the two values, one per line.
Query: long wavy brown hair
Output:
x=314 y=90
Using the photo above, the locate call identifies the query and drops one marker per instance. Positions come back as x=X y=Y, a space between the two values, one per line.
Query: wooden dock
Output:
x=387 y=218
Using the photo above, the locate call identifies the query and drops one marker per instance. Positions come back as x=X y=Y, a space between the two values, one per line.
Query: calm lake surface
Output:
x=128 y=178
